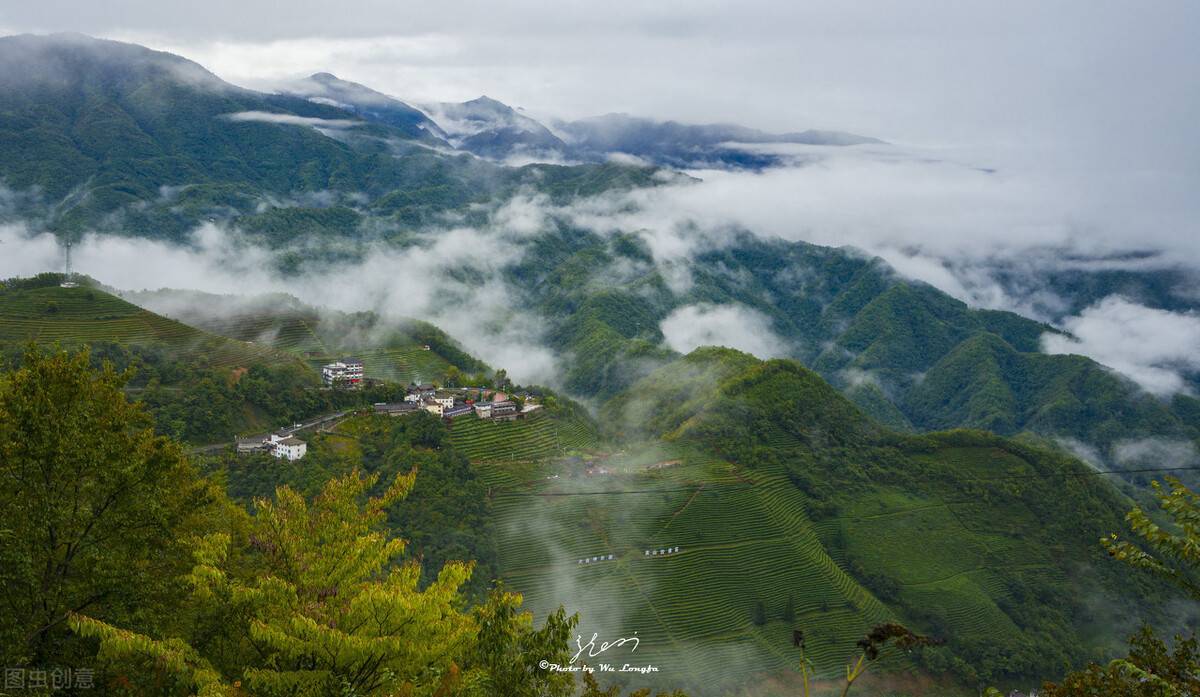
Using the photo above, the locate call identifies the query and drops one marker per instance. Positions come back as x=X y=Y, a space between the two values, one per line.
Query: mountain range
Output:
x=115 y=137
x=888 y=454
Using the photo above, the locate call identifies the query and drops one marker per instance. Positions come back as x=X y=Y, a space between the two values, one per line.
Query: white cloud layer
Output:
x=733 y=326
x=418 y=281
x=292 y=120
x=1155 y=348
x=933 y=219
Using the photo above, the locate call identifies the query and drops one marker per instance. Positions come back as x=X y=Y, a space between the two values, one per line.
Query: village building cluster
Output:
x=456 y=402
x=447 y=403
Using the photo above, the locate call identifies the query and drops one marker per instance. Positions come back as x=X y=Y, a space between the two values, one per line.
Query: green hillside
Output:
x=398 y=351
x=907 y=354
x=199 y=386
x=42 y=312
x=791 y=509
x=538 y=436
x=986 y=383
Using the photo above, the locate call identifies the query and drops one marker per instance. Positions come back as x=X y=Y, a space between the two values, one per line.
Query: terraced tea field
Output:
x=288 y=332
x=538 y=436
x=743 y=539
x=74 y=316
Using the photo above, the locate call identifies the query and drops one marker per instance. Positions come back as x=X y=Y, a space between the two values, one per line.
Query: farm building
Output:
x=257 y=444
x=396 y=408
x=504 y=411
x=457 y=410
x=446 y=399
x=347 y=372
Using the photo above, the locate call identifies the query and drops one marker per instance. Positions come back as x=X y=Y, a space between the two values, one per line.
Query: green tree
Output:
x=760 y=613
x=1151 y=669
x=314 y=599
x=92 y=503
x=1173 y=555
x=789 y=609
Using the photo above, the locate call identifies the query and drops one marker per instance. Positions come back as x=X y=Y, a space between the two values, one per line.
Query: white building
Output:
x=347 y=372
x=433 y=406
x=446 y=399
x=289 y=447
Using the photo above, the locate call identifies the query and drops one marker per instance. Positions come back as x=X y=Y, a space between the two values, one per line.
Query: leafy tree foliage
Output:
x=1174 y=554
x=312 y=599
x=447 y=515
x=92 y=502
x=1151 y=669
x=110 y=539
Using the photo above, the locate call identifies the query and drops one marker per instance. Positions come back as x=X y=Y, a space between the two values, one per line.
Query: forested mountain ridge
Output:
x=118 y=138
x=103 y=135
x=908 y=354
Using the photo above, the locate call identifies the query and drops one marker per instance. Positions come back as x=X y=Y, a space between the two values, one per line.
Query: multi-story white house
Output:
x=446 y=399
x=289 y=447
x=347 y=372
x=433 y=406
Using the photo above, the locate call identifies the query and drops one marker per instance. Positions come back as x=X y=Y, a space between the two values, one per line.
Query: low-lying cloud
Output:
x=1155 y=348
x=733 y=326
x=424 y=280
x=292 y=120
x=955 y=226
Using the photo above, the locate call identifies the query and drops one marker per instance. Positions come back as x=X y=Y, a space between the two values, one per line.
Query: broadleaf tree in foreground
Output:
x=92 y=503
x=1152 y=668
x=313 y=600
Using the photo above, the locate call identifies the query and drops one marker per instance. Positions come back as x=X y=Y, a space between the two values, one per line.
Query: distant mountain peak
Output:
x=68 y=59
x=370 y=104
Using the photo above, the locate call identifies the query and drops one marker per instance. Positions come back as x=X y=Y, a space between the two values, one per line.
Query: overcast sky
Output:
x=1072 y=76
